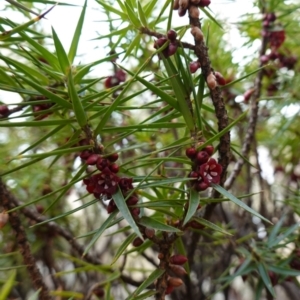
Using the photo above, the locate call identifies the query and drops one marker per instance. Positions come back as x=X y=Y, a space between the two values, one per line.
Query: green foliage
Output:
x=146 y=106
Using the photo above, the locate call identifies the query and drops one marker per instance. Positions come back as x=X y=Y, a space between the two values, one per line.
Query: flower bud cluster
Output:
x=205 y=170
x=116 y=79
x=275 y=35
x=175 y=268
x=172 y=46
x=105 y=183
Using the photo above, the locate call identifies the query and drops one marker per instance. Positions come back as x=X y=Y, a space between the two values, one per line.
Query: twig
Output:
x=252 y=121
x=29 y=261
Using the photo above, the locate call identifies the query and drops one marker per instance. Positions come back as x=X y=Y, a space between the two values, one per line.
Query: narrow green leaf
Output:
x=61 y=54
x=283 y=236
x=22 y=7
x=22 y=166
x=238 y=202
x=157 y=225
x=133 y=45
x=12 y=88
x=111 y=8
x=124 y=210
x=222 y=132
x=45 y=53
x=85 y=69
x=211 y=17
x=8 y=286
x=53 y=152
x=7 y=34
x=180 y=92
x=284 y=271
x=35 y=123
x=123 y=247
x=132 y=16
x=66 y=213
x=144 y=127
x=275 y=231
x=44 y=91
x=76 y=101
x=99 y=232
x=163 y=9
x=259 y=290
x=145 y=295
x=199 y=98
x=142 y=14
x=76 y=36
x=7 y=79
x=246 y=268
x=35 y=295
x=211 y=225
x=149 y=8
x=158 y=91
x=163 y=182
x=193 y=205
x=26 y=70
x=266 y=279
x=151 y=278
x=43 y=138
x=115 y=275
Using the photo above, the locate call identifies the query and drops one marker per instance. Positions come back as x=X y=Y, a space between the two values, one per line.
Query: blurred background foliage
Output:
x=61 y=99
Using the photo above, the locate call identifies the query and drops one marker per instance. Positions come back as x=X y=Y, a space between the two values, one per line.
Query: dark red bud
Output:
x=172 y=48
x=209 y=149
x=178 y=259
x=175 y=282
x=220 y=79
x=111 y=81
x=132 y=200
x=85 y=154
x=201 y=186
x=120 y=75
x=137 y=242
x=248 y=94
x=202 y=157
x=194 y=66
x=135 y=211
x=181 y=11
x=92 y=159
x=111 y=206
x=177 y=270
x=159 y=43
x=114 y=168
x=99 y=292
x=191 y=153
x=204 y=3
x=169 y=289
x=264 y=59
x=113 y=157
x=193 y=174
x=4 y=111
x=149 y=232
x=172 y=34
x=196 y=225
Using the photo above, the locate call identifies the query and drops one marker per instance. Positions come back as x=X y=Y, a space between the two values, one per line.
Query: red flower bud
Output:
x=191 y=153
x=149 y=232
x=172 y=34
x=202 y=157
x=92 y=159
x=137 y=242
x=175 y=282
x=177 y=270
x=178 y=259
